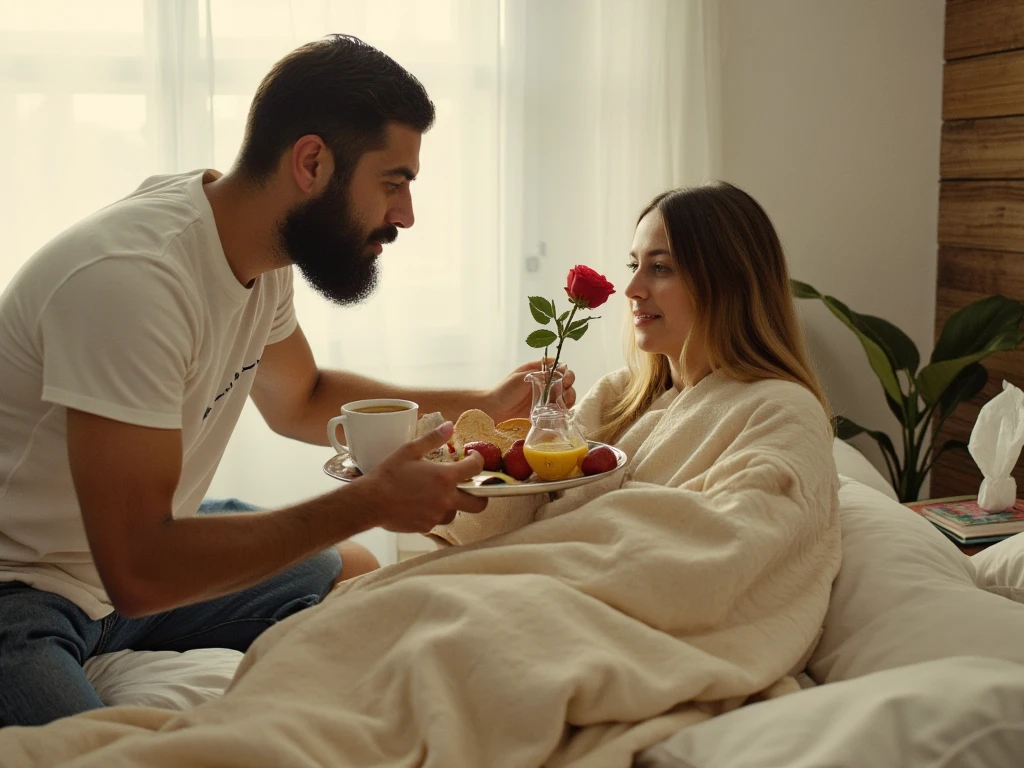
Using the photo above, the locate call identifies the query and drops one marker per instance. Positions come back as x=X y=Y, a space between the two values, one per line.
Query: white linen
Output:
x=963 y=712
x=163 y=679
x=906 y=594
x=853 y=464
x=1000 y=568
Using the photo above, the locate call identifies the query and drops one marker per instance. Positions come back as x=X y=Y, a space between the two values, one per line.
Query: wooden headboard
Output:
x=981 y=197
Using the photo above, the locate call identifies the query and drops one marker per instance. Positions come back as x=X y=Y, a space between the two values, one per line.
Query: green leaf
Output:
x=973 y=333
x=576 y=331
x=803 y=290
x=875 y=335
x=541 y=310
x=903 y=350
x=973 y=329
x=969 y=382
x=879 y=358
x=541 y=338
x=897 y=410
x=561 y=317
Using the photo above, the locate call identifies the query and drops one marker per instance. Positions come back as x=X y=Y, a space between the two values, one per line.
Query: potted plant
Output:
x=925 y=397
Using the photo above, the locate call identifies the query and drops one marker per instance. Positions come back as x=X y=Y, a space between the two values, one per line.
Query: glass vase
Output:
x=554 y=447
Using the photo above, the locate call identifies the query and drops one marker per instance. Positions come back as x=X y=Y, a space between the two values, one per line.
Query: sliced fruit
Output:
x=496 y=478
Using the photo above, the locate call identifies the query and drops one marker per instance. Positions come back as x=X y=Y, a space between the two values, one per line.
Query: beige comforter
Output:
x=576 y=640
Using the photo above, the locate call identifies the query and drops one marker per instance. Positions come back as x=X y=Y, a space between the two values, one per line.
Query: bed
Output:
x=921 y=661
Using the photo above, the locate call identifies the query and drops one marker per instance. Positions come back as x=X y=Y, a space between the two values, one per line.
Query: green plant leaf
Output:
x=971 y=334
x=578 y=323
x=875 y=335
x=897 y=410
x=541 y=338
x=803 y=290
x=541 y=309
x=903 y=351
x=935 y=379
x=576 y=331
x=969 y=382
x=973 y=328
x=878 y=357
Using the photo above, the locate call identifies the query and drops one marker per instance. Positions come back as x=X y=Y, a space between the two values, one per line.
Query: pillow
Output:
x=1000 y=568
x=163 y=679
x=905 y=594
x=855 y=465
x=900 y=717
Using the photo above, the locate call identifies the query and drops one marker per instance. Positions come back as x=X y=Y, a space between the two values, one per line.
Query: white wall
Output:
x=831 y=115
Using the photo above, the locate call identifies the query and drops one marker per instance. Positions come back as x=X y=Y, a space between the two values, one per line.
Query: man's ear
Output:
x=312 y=165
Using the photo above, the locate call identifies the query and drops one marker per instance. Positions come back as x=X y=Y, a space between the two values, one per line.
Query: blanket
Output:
x=620 y=615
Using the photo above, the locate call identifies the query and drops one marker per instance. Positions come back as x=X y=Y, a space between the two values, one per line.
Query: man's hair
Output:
x=338 y=88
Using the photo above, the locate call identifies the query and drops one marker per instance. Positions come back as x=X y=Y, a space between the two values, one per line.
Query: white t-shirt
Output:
x=132 y=314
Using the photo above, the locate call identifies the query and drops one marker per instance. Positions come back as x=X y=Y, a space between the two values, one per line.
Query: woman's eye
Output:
x=661 y=268
x=631 y=266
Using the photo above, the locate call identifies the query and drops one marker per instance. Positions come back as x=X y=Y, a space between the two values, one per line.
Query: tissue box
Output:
x=967 y=524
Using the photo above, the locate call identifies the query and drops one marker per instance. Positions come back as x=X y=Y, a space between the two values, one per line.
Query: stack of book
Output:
x=962 y=520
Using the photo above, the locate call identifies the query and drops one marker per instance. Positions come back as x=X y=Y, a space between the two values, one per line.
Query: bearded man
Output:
x=128 y=346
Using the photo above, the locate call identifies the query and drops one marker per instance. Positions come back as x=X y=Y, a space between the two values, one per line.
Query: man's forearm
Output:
x=195 y=559
x=335 y=388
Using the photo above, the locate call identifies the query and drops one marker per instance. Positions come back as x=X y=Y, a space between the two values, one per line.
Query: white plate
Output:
x=342 y=467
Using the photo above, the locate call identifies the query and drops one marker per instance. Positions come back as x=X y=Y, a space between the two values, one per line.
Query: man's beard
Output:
x=323 y=239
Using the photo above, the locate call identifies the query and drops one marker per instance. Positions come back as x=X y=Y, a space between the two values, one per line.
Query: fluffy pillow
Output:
x=853 y=464
x=1000 y=568
x=900 y=717
x=163 y=679
x=905 y=594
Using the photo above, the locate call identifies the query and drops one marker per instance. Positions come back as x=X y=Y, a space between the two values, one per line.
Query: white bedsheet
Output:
x=164 y=679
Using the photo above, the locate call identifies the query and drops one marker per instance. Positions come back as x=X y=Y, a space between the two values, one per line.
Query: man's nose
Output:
x=400 y=214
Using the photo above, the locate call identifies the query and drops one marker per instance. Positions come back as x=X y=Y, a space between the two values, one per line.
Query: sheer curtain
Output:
x=555 y=122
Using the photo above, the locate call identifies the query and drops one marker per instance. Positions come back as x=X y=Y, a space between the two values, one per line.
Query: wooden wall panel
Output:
x=983 y=26
x=981 y=198
x=982 y=214
x=965 y=275
x=988 y=86
x=983 y=149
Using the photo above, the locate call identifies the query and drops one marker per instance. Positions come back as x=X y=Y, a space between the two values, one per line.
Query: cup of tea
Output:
x=373 y=429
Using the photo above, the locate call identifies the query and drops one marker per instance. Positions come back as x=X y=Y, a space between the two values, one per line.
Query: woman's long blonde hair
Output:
x=733 y=265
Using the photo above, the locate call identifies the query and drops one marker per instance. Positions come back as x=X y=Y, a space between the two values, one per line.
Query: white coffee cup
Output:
x=374 y=429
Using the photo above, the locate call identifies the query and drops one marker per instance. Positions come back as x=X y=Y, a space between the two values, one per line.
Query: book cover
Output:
x=963 y=516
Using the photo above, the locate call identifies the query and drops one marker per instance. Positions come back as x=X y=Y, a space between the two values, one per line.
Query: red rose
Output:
x=587 y=288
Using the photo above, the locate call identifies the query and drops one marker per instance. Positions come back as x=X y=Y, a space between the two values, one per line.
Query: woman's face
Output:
x=661 y=305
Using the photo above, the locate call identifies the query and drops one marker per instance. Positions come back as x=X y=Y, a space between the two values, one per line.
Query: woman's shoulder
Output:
x=770 y=396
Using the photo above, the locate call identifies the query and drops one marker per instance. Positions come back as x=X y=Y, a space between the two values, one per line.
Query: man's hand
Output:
x=408 y=494
x=513 y=396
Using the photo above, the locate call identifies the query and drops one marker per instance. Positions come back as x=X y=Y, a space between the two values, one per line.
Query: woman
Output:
x=712 y=325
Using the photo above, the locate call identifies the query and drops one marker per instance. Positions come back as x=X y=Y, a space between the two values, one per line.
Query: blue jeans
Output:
x=45 y=639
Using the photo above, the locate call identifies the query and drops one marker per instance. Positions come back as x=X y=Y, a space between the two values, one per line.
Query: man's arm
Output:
x=297 y=399
x=125 y=477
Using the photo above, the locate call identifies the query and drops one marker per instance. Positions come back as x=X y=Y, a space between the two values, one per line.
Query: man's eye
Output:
x=392 y=186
